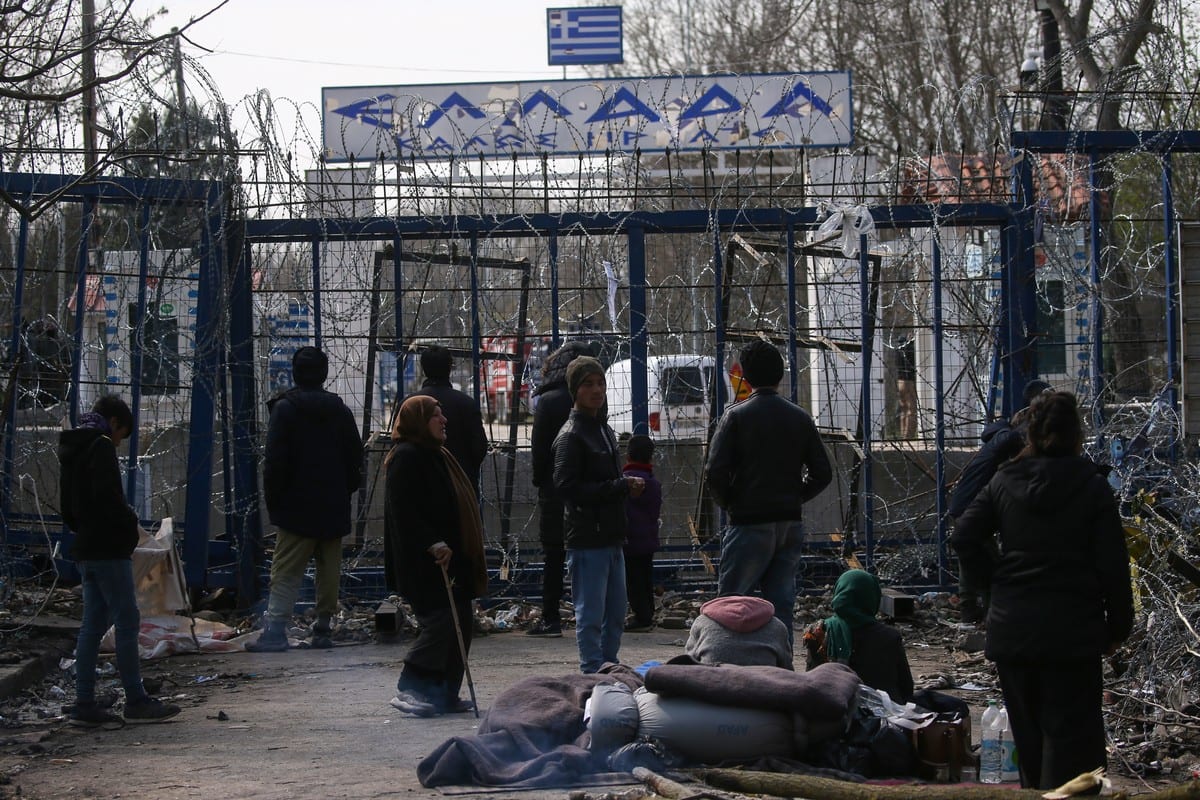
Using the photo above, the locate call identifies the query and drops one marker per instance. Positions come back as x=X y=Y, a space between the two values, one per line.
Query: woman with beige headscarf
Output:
x=431 y=524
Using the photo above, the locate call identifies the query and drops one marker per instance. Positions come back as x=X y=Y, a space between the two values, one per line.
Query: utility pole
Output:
x=180 y=95
x=89 y=84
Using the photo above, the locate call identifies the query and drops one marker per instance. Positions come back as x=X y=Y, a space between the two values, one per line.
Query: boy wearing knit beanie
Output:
x=587 y=475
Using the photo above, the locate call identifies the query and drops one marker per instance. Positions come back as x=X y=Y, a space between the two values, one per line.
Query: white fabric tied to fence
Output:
x=847 y=220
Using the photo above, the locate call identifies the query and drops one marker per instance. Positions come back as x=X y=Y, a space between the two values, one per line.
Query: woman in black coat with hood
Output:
x=432 y=536
x=1061 y=593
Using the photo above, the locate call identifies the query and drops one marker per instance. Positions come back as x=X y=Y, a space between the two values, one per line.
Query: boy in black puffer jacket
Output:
x=106 y=533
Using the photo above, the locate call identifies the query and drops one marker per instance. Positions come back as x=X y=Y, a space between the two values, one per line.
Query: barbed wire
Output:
x=275 y=149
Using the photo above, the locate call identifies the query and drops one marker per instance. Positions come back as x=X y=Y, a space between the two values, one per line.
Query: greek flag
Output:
x=586 y=35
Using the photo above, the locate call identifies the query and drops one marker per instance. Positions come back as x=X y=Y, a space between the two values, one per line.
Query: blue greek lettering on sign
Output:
x=560 y=118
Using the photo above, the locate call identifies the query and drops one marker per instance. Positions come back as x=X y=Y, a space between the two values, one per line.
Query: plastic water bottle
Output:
x=990 y=753
x=1008 y=752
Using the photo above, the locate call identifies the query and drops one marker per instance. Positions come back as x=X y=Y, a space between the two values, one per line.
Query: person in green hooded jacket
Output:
x=853 y=636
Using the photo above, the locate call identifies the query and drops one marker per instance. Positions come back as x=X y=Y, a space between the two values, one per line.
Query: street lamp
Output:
x=1054 y=109
x=1029 y=69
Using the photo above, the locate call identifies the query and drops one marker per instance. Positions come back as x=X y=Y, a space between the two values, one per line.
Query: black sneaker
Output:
x=635 y=627
x=149 y=710
x=90 y=715
x=320 y=641
x=547 y=630
x=273 y=639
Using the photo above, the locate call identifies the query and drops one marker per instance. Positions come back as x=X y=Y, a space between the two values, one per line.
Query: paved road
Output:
x=302 y=724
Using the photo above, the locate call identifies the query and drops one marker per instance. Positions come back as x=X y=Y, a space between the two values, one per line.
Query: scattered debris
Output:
x=1152 y=707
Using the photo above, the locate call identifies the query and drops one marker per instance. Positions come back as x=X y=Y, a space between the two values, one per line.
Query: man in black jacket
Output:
x=465 y=437
x=553 y=407
x=765 y=461
x=106 y=533
x=588 y=478
x=312 y=465
x=1002 y=439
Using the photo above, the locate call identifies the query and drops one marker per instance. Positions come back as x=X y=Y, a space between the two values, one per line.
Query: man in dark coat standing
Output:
x=553 y=407
x=766 y=460
x=1002 y=439
x=312 y=465
x=465 y=437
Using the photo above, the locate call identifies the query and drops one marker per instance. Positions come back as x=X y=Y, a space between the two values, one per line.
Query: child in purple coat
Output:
x=641 y=541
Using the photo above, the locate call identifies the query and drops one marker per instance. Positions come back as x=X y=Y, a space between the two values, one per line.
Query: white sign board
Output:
x=559 y=118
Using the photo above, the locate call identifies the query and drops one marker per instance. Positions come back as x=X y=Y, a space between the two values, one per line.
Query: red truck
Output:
x=497 y=366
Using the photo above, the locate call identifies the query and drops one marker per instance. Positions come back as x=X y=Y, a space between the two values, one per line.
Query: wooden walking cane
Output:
x=462 y=644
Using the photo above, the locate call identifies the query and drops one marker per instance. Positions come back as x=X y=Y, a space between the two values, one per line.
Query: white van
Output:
x=678 y=395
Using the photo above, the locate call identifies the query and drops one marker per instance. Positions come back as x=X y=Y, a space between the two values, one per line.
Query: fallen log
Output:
x=814 y=788
x=665 y=787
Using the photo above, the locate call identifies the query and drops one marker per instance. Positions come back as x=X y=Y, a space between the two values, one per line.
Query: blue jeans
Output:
x=108 y=599
x=598 y=591
x=763 y=556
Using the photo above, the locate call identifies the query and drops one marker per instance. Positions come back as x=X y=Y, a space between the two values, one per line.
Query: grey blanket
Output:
x=532 y=736
x=826 y=693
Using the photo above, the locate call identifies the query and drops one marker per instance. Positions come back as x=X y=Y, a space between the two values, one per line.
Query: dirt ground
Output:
x=317 y=724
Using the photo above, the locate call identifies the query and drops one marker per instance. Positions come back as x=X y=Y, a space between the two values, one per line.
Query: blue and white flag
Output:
x=585 y=35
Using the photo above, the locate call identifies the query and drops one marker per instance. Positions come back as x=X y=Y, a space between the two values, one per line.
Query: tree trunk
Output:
x=814 y=788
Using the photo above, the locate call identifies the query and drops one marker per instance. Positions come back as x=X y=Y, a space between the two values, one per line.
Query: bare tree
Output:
x=923 y=72
x=1121 y=79
x=685 y=36
x=57 y=60
x=926 y=74
x=942 y=76
x=1105 y=51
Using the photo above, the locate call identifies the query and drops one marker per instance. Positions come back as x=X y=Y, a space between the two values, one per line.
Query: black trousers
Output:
x=1055 y=716
x=639 y=586
x=550 y=531
x=434 y=659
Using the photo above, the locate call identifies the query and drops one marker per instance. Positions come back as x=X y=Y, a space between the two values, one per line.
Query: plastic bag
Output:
x=909 y=716
x=853 y=222
x=873 y=747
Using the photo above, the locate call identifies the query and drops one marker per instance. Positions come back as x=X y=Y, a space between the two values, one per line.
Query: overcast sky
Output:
x=294 y=47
